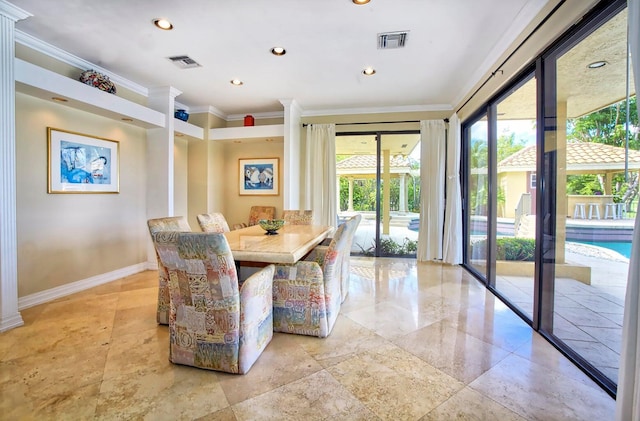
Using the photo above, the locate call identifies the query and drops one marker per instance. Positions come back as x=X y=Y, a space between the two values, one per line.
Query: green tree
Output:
x=607 y=126
x=508 y=145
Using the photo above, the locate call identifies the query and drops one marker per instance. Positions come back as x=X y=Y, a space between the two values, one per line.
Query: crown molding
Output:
x=68 y=58
x=208 y=109
x=12 y=11
x=378 y=110
x=273 y=114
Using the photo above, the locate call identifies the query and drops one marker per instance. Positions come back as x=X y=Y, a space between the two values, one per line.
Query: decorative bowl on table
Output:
x=271 y=226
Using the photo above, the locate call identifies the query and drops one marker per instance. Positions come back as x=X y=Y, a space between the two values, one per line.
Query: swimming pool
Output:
x=624 y=248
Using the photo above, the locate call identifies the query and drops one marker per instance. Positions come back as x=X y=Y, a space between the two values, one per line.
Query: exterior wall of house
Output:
x=513 y=184
x=63 y=238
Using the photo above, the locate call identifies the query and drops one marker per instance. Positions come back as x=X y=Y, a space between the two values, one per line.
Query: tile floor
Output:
x=413 y=342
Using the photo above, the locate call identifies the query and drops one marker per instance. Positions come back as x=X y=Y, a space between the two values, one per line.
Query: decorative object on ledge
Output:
x=181 y=115
x=259 y=176
x=97 y=80
x=248 y=120
x=81 y=163
x=271 y=226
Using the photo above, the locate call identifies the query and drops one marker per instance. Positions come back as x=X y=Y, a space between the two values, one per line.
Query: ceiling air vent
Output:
x=184 y=62
x=389 y=40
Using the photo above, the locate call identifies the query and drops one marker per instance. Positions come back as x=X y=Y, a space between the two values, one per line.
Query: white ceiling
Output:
x=451 y=44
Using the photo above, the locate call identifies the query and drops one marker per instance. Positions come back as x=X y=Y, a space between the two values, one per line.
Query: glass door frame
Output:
x=378 y=134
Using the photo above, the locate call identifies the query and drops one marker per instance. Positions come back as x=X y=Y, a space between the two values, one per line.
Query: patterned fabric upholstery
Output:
x=214 y=323
x=352 y=227
x=261 y=212
x=172 y=223
x=306 y=295
x=257 y=213
x=350 y=231
x=298 y=217
x=213 y=222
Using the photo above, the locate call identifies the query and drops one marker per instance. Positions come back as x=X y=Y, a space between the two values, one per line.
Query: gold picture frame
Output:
x=80 y=163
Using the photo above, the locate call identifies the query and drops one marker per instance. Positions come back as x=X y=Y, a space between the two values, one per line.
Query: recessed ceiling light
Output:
x=597 y=64
x=369 y=71
x=360 y=1
x=278 y=51
x=236 y=82
x=163 y=24
x=57 y=98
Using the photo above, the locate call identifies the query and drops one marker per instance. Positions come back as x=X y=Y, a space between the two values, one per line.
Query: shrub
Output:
x=508 y=248
x=388 y=247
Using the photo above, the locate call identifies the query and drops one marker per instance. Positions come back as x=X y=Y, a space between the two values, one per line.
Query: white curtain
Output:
x=452 y=243
x=320 y=173
x=432 y=164
x=628 y=395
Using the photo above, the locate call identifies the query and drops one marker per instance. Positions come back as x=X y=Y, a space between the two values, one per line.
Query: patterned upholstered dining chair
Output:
x=298 y=217
x=306 y=294
x=257 y=213
x=345 y=272
x=213 y=222
x=171 y=223
x=215 y=323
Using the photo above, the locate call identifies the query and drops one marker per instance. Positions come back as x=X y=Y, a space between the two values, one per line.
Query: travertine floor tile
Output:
x=170 y=393
x=457 y=353
x=470 y=405
x=318 y=396
x=347 y=339
x=539 y=394
x=282 y=362
x=394 y=384
x=407 y=340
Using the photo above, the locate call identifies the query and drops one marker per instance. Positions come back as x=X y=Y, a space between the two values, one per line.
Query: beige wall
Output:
x=64 y=238
x=205 y=171
x=236 y=207
x=180 y=165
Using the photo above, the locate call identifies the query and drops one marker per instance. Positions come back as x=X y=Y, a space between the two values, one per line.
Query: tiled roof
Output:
x=583 y=155
x=368 y=161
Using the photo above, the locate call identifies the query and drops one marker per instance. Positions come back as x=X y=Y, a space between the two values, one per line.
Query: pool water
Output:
x=624 y=248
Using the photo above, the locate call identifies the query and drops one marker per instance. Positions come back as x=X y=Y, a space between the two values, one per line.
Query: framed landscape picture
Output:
x=259 y=176
x=80 y=163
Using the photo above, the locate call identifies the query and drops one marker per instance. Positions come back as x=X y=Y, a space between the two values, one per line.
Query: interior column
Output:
x=9 y=315
x=160 y=160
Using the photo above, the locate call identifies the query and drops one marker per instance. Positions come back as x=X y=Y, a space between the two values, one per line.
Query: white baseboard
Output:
x=68 y=289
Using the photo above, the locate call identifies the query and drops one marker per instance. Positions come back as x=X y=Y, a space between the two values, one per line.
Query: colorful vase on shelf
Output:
x=181 y=115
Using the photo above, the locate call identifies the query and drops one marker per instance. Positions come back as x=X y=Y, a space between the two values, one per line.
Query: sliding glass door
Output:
x=379 y=178
x=552 y=168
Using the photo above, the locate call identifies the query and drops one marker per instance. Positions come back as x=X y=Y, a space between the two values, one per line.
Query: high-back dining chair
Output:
x=170 y=223
x=345 y=272
x=306 y=294
x=256 y=214
x=214 y=322
x=298 y=217
x=213 y=222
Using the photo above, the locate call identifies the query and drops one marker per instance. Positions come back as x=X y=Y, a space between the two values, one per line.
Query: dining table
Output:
x=253 y=246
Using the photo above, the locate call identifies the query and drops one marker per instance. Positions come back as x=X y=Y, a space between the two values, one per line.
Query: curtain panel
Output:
x=628 y=395
x=452 y=243
x=432 y=176
x=320 y=192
